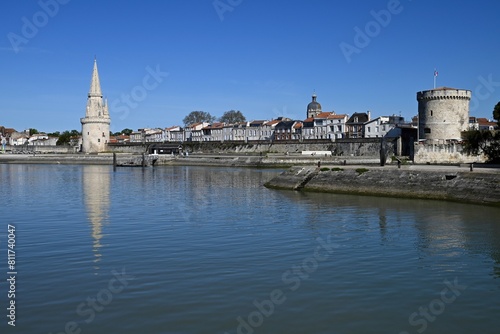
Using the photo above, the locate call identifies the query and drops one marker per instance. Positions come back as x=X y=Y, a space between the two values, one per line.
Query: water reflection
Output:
x=443 y=230
x=197 y=191
x=96 y=191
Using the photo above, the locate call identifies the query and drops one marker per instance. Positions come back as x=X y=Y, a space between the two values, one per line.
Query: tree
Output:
x=33 y=131
x=64 y=138
x=475 y=141
x=198 y=117
x=126 y=132
x=487 y=142
x=496 y=113
x=232 y=116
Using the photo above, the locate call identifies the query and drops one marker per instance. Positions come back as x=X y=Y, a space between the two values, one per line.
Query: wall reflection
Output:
x=437 y=229
x=96 y=191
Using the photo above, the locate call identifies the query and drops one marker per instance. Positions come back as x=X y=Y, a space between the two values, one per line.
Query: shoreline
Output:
x=361 y=176
x=450 y=183
x=222 y=160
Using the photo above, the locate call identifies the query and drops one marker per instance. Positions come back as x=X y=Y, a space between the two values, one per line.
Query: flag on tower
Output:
x=435 y=73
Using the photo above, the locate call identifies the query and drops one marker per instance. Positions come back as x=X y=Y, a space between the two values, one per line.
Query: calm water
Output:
x=209 y=250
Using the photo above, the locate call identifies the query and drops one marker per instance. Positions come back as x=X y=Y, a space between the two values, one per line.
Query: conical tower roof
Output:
x=95 y=85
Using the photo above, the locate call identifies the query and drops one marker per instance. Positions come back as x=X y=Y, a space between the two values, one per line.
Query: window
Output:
x=431 y=112
x=369 y=129
x=427 y=130
x=98 y=140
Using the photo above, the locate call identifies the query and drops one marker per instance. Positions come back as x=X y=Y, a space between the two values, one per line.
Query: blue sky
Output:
x=264 y=58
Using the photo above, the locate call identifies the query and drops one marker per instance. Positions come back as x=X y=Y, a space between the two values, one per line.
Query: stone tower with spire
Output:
x=95 y=124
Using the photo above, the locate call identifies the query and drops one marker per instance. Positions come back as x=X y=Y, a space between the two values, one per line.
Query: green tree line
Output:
x=484 y=141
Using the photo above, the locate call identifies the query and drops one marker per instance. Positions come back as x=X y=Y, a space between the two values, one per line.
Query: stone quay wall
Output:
x=442 y=152
x=454 y=184
x=365 y=147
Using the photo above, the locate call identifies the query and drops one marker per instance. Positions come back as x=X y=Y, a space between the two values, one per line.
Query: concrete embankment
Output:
x=271 y=160
x=224 y=160
x=63 y=159
x=425 y=182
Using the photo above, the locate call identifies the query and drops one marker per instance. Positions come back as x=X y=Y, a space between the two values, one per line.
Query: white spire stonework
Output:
x=95 y=124
x=95 y=85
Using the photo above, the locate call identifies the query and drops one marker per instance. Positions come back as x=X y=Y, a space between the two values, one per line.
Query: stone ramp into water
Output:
x=307 y=176
x=294 y=178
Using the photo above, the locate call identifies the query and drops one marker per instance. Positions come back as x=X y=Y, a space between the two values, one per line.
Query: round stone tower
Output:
x=443 y=113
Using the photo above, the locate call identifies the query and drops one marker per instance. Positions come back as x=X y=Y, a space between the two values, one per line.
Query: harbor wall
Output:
x=363 y=147
x=457 y=184
x=442 y=152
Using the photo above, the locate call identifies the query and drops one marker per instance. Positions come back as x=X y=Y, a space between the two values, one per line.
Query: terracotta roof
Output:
x=297 y=125
x=9 y=131
x=486 y=122
x=323 y=115
x=337 y=116
x=274 y=122
x=214 y=126
x=309 y=120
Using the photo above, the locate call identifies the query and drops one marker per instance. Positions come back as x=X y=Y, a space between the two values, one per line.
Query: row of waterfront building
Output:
x=324 y=125
x=443 y=114
x=318 y=125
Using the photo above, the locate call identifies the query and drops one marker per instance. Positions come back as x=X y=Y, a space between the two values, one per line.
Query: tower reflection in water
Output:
x=96 y=188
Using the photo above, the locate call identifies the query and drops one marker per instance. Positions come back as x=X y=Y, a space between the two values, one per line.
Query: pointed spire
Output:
x=95 y=85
